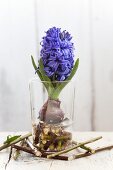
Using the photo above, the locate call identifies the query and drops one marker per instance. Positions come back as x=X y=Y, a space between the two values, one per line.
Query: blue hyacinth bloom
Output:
x=57 y=53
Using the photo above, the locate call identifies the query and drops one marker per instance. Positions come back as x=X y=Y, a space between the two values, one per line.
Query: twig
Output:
x=81 y=155
x=44 y=155
x=87 y=148
x=15 y=141
x=74 y=147
x=34 y=149
x=10 y=154
x=21 y=148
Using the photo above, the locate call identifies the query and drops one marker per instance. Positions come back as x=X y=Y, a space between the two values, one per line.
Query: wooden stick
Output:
x=15 y=141
x=34 y=149
x=21 y=148
x=74 y=147
x=87 y=148
x=44 y=155
x=81 y=155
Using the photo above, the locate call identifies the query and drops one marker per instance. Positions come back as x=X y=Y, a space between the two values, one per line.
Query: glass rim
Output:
x=38 y=80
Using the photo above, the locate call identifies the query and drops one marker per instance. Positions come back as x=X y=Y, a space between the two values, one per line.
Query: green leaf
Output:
x=11 y=139
x=36 y=69
x=63 y=84
x=41 y=67
x=73 y=70
x=47 y=80
x=41 y=73
x=38 y=72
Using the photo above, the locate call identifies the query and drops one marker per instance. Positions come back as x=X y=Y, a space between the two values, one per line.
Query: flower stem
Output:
x=74 y=147
x=15 y=141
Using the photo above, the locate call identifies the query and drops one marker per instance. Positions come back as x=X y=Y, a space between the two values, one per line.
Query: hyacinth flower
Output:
x=56 y=67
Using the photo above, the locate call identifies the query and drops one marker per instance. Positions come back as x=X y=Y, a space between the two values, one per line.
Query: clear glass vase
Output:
x=52 y=120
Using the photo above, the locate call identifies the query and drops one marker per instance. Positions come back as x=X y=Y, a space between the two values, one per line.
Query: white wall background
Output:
x=22 y=24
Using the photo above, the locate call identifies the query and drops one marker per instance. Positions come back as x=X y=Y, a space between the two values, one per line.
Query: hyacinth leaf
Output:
x=59 y=88
x=11 y=139
x=41 y=67
x=46 y=78
x=39 y=74
x=36 y=68
x=75 y=67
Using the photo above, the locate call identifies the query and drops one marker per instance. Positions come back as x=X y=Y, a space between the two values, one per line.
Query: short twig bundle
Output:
x=27 y=146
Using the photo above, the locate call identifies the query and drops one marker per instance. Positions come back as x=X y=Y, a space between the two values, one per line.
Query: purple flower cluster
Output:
x=57 y=54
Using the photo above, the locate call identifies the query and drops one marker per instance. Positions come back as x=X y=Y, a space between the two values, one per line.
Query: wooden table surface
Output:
x=98 y=161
